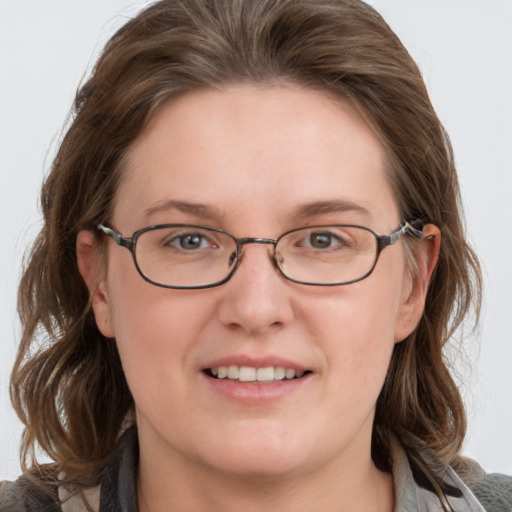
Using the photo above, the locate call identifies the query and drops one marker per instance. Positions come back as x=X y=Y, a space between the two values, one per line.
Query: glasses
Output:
x=186 y=256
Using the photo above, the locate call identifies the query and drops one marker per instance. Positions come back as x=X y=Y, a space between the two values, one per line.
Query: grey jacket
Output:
x=117 y=492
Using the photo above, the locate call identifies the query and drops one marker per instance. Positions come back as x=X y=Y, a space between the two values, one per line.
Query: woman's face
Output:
x=256 y=162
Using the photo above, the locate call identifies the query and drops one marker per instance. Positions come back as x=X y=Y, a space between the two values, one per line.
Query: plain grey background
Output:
x=464 y=48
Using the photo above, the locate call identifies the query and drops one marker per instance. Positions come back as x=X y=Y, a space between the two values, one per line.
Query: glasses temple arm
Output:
x=407 y=227
x=117 y=237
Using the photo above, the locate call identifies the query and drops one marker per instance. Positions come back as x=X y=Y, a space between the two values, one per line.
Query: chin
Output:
x=255 y=455
x=260 y=466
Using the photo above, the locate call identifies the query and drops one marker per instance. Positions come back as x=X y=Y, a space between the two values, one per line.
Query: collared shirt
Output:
x=410 y=496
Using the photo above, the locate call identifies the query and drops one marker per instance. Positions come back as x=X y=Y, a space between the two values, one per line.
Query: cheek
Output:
x=143 y=313
x=355 y=326
x=362 y=338
x=156 y=329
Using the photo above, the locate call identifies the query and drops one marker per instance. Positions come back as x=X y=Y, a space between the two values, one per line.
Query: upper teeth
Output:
x=251 y=374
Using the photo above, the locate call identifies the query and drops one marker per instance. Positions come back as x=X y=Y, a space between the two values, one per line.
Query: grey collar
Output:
x=412 y=495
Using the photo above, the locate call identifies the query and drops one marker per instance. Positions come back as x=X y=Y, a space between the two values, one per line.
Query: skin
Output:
x=255 y=157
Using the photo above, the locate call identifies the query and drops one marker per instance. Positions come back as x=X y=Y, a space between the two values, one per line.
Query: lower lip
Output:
x=256 y=392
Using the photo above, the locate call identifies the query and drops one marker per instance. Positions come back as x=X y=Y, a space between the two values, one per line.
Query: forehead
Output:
x=245 y=149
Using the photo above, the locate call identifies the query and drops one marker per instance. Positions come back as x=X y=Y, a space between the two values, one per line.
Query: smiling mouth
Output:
x=252 y=374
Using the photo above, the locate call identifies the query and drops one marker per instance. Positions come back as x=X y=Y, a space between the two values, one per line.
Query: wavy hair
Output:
x=68 y=385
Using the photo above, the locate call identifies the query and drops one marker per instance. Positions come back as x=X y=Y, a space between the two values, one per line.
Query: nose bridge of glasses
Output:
x=245 y=241
x=242 y=242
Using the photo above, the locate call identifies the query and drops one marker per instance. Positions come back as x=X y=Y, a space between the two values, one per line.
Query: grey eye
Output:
x=188 y=241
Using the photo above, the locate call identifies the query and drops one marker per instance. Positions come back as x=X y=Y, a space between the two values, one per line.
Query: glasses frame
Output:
x=414 y=228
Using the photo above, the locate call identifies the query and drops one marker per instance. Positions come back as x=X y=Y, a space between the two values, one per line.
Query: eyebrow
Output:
x=331 y=206
x=197 y=209
x=302 y=212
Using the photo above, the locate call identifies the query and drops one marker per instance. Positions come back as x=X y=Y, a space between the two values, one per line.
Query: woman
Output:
x=251 y=260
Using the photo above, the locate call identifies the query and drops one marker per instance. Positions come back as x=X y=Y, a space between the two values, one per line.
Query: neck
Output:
x=337 y=487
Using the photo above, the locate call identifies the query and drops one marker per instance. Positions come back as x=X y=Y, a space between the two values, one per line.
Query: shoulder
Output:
x=423 y=486
x=493 y=490
x=24 y=495
x=118 y=485
x=11 y=497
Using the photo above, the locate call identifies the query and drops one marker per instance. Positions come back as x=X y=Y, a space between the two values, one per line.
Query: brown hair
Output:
x=68 y=385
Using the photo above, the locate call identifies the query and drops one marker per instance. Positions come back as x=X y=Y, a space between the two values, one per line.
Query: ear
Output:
x=93 y=272
x=416 y=285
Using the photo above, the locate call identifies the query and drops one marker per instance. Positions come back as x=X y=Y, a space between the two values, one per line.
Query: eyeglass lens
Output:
x=194 y=256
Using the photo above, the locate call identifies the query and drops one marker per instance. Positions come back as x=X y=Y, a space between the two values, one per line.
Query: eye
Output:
x=325 y=240
x=189 y=241
x=320 y=240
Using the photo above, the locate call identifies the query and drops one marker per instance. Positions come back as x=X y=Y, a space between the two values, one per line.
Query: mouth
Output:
x=253 y=374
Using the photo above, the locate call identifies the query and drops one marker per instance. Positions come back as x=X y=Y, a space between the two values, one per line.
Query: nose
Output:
x=257 y=298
